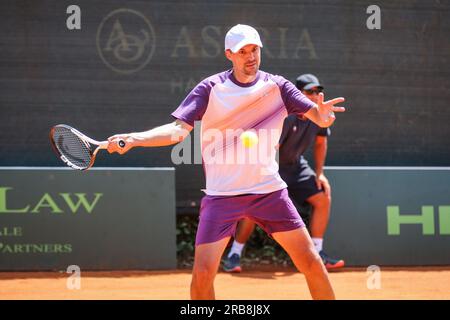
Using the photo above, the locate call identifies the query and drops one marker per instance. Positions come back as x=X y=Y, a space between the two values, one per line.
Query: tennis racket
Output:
x=77 y=150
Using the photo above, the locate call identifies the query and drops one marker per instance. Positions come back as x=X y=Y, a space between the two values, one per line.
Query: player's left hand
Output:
x=322 y=183
x=327 y=108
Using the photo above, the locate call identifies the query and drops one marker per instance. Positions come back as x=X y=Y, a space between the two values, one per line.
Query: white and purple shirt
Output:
x=226 y=108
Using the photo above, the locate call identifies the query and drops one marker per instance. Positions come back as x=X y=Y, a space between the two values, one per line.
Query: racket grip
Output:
x=121 y=143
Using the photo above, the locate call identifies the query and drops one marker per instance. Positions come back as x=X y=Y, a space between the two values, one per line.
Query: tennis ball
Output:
x=249 y=139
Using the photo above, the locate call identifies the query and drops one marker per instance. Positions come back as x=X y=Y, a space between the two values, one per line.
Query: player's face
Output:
x=246 y=60
x=312 y=94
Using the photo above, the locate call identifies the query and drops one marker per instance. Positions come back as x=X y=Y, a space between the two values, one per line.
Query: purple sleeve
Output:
x=194 y=105
x=295 y=101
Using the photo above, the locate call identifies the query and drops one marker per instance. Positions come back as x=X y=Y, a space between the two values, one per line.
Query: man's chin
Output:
x=251 y=71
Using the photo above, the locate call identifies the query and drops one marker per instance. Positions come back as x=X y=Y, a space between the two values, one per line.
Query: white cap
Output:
x=241 y=35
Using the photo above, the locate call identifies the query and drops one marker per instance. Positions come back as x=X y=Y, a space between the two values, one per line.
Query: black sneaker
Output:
x=331 y=263
x=232 y=264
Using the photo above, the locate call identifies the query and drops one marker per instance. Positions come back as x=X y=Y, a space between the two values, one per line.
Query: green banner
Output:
x=99 y=219
x=389 y=216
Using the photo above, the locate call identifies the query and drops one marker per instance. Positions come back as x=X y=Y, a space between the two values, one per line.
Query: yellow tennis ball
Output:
x=249 y=139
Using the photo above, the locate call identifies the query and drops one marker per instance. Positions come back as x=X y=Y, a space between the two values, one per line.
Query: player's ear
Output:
x=228 y=54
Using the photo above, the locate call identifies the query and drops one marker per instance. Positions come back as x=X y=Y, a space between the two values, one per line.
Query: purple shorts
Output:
x=219 y=215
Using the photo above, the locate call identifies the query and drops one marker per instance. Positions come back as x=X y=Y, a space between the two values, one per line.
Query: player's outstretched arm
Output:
x=165 y=135
x=323 y=113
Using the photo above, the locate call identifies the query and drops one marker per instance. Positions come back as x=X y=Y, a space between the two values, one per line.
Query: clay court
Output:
x=270 y=284
x=133 y=130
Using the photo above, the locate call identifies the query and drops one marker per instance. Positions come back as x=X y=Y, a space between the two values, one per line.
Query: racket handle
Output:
x=121 y=143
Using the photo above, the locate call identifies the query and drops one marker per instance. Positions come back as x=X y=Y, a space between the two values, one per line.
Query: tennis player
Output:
x=238 y=99
x=304 y=184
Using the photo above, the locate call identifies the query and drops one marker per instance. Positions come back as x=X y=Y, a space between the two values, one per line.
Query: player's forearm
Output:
x=323 y=120
x=165 y=135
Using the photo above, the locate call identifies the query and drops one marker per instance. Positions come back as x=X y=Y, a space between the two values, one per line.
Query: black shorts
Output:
x=301 y=181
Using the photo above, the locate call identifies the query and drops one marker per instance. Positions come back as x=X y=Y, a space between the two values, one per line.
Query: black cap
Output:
x=307 y=81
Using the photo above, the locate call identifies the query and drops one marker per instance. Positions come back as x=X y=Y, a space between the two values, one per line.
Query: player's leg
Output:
x=206 y=264
x=232 y=262
x=304 y=190
x=303 y=187
x=300 y=248
x=218 y=219
x=277 y=215
x=244 y=230
x=320 y=214
x=318 y=224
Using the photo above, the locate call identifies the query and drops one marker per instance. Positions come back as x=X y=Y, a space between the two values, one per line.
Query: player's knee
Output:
x=203 y=275
x=313 y=265
x=321 y=201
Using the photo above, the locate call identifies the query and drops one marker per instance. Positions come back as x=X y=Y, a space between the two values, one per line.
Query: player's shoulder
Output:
x=214 y=79
x=278 y=79
x=266 y=76
x=205 y=85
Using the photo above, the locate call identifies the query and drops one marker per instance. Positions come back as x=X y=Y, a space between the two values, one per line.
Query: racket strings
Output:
x=72 y=147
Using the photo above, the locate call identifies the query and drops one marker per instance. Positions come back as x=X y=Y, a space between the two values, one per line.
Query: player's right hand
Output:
x=114 y=143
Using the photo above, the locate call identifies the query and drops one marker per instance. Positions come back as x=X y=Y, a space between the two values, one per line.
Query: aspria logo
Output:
x=126 y=41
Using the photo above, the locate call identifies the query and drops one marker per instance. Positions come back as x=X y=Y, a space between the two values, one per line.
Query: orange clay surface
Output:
x=253 y=284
